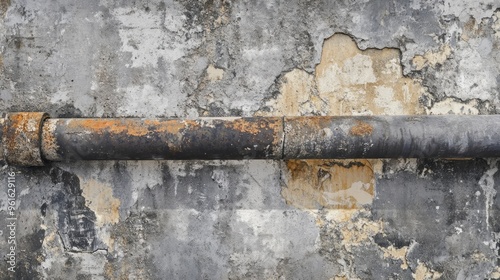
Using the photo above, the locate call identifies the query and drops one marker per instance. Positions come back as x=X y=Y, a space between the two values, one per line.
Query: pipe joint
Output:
x=21 y=138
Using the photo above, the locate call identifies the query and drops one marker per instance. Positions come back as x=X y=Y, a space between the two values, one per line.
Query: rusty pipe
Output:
x=33 y=139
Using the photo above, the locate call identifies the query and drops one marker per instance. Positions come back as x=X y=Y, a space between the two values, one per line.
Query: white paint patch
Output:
x=465 y=9
x=358 y=70
x=265 y=227
x=393 y=67
x=151 y=35
x=330 y=80
x=385 y=99
x=451 y=106
x=214 y=73
x=487 y=183
x=477 y=77
x=221 y=177
x=24 y=192
x=59 y=97
x=92 y=263
x=148 y=101
x=257 y=69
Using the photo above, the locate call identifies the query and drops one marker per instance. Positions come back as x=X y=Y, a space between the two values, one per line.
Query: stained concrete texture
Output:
x=297 y=219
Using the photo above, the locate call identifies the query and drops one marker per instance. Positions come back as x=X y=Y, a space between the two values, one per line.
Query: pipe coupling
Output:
x=22 y=137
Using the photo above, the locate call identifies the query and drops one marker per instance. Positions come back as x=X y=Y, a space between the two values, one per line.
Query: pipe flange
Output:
x=21 y=139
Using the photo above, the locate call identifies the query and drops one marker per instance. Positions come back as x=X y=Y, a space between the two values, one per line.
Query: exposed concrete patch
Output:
x=453 y=106
x=430 y=199
x=432 y=58
x=131 y=252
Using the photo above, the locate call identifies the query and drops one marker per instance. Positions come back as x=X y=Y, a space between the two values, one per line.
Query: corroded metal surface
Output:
x=212 y=138
x=21 y=138
x=449 y=136
x=31 y=138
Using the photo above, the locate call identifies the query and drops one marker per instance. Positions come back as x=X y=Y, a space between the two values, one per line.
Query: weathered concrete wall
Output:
x=317 y=219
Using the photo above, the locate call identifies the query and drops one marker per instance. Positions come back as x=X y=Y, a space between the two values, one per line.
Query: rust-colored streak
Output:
x=117 y=126
x=254 y=126
x=361 y=129
x=296 y=168
x=309 y=123
x=131 y=127
x=170 y=126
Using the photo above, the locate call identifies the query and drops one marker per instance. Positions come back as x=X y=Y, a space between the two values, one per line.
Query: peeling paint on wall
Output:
x=99 y=198
x=349 y=81
x=424 y=273
x=432 y=58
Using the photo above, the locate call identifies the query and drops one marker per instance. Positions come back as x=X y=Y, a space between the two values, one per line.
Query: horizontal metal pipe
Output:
x=448 y=136
x=229 y=138
x=31 y=139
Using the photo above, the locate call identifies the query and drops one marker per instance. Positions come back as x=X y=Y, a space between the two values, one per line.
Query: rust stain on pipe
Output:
x=21 y=138
x=210 y=138
x=361 y=129
x=30 y=138
x=132 y=127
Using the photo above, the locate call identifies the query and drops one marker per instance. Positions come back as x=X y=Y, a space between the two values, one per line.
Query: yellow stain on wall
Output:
x=313 y=184
x=349 y=81
x=422 y=272
x=397 y=254
x=99 y=198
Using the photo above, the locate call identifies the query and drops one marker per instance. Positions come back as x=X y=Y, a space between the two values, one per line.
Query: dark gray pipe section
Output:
x=448 y=136
x=32 y=139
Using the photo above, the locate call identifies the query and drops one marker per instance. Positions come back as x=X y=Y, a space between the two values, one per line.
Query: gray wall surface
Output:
x=251 y=219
